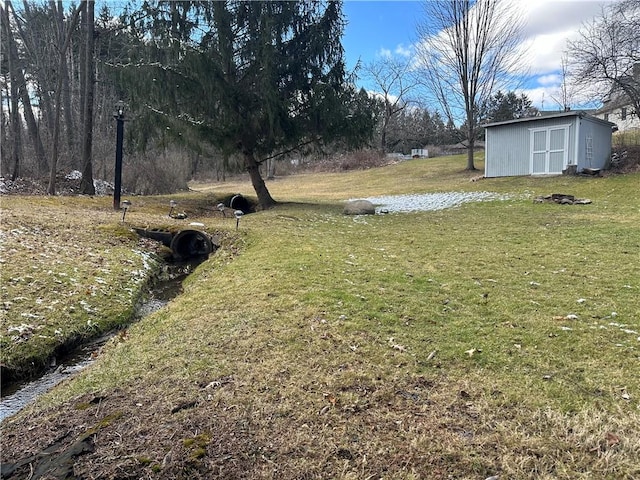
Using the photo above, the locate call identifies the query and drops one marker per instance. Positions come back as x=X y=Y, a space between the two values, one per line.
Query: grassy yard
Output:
x=493 y=339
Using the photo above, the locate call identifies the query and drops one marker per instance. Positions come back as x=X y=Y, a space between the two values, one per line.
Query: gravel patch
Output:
x=430 y=201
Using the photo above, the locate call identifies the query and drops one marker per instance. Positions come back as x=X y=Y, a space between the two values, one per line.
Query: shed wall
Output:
x=508 y=150
x=600 y=141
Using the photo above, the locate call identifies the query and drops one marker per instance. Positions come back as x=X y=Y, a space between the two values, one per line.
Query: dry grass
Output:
x=428 y=345
x=69 y=271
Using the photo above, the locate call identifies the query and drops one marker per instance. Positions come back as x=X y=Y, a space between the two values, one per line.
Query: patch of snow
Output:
x=73 y=175
x=430 y=201
x=103 y=187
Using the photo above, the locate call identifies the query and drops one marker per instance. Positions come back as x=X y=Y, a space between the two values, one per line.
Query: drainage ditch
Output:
x=190 y=248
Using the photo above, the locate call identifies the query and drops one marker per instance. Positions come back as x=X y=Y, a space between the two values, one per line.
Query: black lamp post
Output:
x=117 y=184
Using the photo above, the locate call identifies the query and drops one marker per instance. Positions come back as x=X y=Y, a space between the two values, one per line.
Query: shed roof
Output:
x=571 y=113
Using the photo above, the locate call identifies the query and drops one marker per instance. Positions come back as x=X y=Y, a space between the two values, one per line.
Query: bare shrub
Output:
x=625 y=159
x=357 y=160
x=362 y=160
x=628 y=138
x=156 y=172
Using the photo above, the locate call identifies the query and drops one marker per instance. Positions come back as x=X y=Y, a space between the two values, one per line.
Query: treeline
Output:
x=59 y=94
x=51 y=64
x=203 y=85
x=208 y=88
x=415 y=127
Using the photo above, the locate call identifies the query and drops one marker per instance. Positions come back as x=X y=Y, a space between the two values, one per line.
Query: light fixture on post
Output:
x=221 y=209
x=125 y=206
x=117 y=184
x=172 y=205
x=238 y=214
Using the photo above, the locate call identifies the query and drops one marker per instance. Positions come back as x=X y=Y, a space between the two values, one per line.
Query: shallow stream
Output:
x=17 y=396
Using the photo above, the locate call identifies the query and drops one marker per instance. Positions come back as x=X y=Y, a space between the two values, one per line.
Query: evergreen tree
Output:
x=500 y=107
x=254 y=78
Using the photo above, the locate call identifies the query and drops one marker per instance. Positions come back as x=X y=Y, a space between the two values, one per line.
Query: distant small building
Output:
x=547 y=145
x=419 y=153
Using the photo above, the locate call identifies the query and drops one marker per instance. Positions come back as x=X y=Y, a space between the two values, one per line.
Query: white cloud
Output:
x=403 y=51
x=549 y=97
x=553 y=79
x=384 y=53
x=551 y=16
x=550 y=25
x=400 y=50
x=544 y=52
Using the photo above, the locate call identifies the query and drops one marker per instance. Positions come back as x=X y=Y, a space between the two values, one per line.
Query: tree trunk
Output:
x=16 y=124
x=470 y=148
x=16 y=131
x=33 y=129
x=271 y=169
x=81 y=66
x=56 y=129
x=383 y=137
x=41 y=54
x=66 y=90
x=470 y=164
x=32 y=125
x=86 y=184
x=264 y=197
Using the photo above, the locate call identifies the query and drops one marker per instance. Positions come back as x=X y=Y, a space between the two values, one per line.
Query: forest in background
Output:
x=61 y=86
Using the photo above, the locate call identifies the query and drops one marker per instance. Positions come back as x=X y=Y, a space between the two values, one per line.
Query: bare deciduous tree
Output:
x=467 y=50
x=14 y=124
x=566 y=92
x=58 y=92
x=393 y=78
x=606 y=54
x=86 y=185
x=18 y=77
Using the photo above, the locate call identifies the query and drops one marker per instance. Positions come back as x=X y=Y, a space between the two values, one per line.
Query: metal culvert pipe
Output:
x=164 y=236
x=238 y=202
x=189 y=244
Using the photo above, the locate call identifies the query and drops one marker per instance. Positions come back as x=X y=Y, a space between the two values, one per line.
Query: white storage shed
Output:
x=547 y=145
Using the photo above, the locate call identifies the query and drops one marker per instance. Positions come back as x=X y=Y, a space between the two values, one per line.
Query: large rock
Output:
x=359 y=207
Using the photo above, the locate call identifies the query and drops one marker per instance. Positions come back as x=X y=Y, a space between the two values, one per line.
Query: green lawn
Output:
x=494 y=338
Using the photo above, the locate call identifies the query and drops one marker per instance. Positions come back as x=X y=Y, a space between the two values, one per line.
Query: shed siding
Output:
x=600 y=145
x=509 y=146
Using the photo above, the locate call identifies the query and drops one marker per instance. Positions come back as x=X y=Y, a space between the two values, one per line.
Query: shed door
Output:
x=549 y=149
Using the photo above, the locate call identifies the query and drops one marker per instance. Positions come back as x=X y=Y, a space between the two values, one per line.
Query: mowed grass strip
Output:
x=495 y=338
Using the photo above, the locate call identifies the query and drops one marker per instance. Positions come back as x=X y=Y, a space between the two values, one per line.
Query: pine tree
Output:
x=254 y=78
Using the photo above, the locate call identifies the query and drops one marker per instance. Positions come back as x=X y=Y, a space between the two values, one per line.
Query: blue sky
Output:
x=375 y=28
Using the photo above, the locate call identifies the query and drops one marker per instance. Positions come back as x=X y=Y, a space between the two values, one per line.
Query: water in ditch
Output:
x=16 y=397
